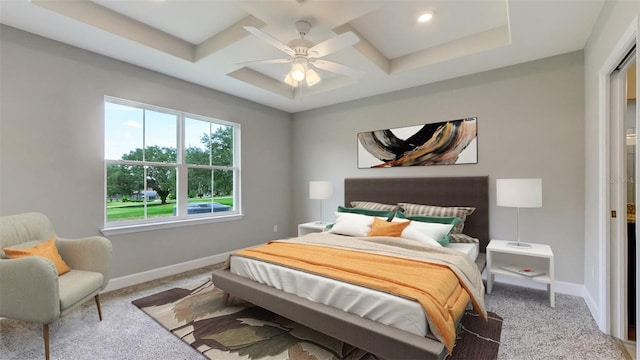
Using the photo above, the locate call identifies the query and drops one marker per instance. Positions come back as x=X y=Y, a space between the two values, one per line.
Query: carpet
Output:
x=240 y=330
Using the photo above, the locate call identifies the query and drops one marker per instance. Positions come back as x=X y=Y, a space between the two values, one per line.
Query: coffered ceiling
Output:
x=205 y=42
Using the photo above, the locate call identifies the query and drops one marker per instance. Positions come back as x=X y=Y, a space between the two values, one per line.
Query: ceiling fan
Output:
x=305 y=55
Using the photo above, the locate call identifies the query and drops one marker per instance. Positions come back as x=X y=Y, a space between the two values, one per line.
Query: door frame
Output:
x=608 y=275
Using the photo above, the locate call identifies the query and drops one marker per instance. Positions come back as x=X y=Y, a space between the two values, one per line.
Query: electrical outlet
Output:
x=275 y=228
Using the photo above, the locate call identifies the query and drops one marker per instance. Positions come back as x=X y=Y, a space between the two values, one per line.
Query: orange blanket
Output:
x=434 y=286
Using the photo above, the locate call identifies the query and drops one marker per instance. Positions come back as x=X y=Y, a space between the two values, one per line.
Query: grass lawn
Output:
x=135 y=210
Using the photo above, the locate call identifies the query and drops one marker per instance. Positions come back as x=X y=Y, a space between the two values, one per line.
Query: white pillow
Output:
x=352 y=224
x=428 y=233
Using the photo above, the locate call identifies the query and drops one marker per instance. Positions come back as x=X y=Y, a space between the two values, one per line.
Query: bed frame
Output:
x=369 y=335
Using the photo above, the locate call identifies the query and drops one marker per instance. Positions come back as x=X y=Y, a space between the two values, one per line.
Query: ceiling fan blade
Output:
x=269 y=61
x=337 y=68
x=334 y=44
x=271 y=40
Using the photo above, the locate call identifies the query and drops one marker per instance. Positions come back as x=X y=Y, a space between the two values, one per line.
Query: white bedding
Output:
x=401 y=313
x=470 y=249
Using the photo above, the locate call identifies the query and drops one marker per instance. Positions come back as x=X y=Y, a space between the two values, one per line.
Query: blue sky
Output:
x=124 y=130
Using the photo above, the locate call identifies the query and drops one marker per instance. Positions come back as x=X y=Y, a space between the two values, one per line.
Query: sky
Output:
x=124 y=130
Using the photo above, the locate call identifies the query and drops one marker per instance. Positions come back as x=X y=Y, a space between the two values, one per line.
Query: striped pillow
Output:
x=462 y=238
x=457 y=211
x=374 y=206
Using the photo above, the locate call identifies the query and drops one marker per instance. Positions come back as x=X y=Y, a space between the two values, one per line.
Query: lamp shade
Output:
x=320 y=190
x=520 y=193
x=312 y=77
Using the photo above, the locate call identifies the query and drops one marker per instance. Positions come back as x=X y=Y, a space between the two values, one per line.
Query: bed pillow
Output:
x=455 y=211
x=366 y=211
x=386 y=228
x=425 y=232
x=428 y=218
x=375 y=205
x=462 y=238
x=352 y=224
x=429 y=233
x=449 y=220
x=45 y=249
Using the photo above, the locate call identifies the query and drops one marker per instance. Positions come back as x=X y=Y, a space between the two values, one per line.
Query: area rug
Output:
x=239 y=330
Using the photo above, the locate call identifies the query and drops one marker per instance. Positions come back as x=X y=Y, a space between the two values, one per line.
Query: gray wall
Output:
x=52 y=140
x=530 y=124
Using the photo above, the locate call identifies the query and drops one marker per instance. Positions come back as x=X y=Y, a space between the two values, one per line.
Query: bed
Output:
x=374 y=336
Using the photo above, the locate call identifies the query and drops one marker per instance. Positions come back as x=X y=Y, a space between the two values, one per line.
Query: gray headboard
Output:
x=441 y=191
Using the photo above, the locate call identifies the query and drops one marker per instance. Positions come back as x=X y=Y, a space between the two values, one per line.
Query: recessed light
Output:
x=425 y=17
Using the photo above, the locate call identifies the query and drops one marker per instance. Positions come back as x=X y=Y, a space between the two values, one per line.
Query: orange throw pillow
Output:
x=385 y=228
x=46 y=249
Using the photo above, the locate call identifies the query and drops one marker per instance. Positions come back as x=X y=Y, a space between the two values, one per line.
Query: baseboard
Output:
x=134 y=279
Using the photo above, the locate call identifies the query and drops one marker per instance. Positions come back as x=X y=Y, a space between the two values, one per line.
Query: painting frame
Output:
x=451 y=142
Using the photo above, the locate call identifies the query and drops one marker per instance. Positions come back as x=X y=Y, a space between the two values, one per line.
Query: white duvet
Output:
x=399 y=312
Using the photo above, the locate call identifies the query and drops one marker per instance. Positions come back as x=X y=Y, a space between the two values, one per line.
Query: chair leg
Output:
x=97 y=297
x=45 y=335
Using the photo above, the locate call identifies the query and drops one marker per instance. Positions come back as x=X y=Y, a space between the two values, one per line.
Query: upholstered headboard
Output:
x=441 y=191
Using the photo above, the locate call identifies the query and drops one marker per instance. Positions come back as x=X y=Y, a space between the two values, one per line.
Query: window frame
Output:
x=182 y=218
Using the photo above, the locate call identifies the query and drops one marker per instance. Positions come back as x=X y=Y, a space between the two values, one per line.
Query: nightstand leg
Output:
x=489 y=274
x=552 y=285
x=489 y=282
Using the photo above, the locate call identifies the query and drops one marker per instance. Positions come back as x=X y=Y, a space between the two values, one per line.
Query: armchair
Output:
x=30 y=287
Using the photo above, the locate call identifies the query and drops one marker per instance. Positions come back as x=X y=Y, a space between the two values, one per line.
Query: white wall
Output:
x=51 y=150
x=615 y=19
x=530 y=124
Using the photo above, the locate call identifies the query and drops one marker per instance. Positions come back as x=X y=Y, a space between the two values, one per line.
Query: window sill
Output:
x=126 y=229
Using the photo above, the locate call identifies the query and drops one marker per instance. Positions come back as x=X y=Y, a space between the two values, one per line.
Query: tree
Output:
x=162 y=190
x=120 y=180
x=162 y=179
x=217 y=150
x=221 y=145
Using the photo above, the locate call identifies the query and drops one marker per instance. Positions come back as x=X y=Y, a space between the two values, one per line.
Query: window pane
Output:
x=222 y=145
x=160 y=138
x=127 y=198
x=123 y=186
x=210 y=191
x=196 y=133
x=208 y=143
x=223 y=181
x=123 y=131
x=162 y=180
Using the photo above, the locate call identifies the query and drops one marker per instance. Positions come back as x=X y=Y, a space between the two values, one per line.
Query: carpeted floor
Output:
x=531 y=329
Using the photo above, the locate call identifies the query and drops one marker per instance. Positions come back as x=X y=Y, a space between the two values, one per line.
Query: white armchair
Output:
x=30 y=288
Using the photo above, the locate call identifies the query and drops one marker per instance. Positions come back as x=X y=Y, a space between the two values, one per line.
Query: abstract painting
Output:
x=442 y=143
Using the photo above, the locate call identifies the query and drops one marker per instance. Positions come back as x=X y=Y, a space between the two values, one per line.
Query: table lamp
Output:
x=320 y=190
x=519 y=193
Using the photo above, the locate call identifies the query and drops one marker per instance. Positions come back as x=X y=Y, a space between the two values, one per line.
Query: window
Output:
x=166 y=166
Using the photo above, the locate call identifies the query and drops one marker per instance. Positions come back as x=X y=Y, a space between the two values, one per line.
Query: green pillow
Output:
x=369 y=212
x=429 y=218
x=433 y=219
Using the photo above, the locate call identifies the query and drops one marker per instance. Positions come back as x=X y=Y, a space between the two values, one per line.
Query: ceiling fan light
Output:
x=289 y=80
x=312 y=77
x=297 y=72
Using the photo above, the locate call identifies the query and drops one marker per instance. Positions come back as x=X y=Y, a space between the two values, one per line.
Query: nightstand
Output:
x=311 y=227
x=538 y=257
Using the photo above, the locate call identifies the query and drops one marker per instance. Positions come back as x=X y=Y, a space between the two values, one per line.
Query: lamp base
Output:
x=519 y=244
